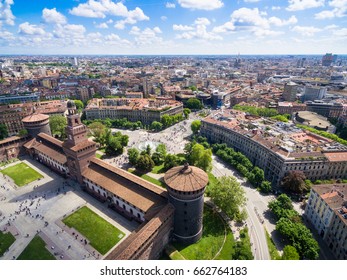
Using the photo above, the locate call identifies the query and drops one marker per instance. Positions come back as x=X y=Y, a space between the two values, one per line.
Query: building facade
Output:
x=144 y=110
x=277 y=148
x=326 y=209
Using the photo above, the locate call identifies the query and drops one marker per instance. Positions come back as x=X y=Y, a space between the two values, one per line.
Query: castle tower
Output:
x=77 y=148
x=37 y=123
x=186 y=187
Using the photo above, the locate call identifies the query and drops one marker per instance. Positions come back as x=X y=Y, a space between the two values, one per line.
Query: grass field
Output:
x=36 y=250
x=274 y=254
x=6 y=240
x=158 y=169
x=148 y=178
x=211 y=241
x=21 y=174
x=101 y=234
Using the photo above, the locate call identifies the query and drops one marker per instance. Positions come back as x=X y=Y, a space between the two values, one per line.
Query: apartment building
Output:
x=134 y=109
x=326 y=209
x=277 y=147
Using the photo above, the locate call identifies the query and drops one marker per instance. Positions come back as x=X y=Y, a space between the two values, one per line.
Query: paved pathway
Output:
x=38 y=207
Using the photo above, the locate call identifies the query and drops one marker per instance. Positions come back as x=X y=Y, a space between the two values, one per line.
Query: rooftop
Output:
x=138 y=192
x=35 y=118
x=186 y=178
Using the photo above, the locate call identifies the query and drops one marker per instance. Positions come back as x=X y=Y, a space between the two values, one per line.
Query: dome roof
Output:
x=71 y=104
x=35 y=118
x=186 y=178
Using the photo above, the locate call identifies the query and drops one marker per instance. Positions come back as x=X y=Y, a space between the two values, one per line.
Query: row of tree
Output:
x=263 y=112
x=243 y=165
x=290 y=225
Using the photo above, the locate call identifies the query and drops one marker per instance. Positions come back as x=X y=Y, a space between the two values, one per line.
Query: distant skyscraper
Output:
x=75 y=61
x=327 y=59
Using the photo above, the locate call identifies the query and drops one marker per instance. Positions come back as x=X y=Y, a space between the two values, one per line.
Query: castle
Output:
x=162 y=214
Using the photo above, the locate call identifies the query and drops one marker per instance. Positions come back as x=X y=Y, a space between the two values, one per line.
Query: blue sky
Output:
x=173 y=27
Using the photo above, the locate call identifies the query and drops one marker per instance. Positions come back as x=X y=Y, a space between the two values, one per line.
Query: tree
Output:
x=200 y=157
x=186 y=112
x=258 y=176
x=79 y=105
x=157 y=126
x=57 y=124
x=3 y=131
x=166 y=120
x=265 y=187
x=282 y=207
x=133 y=155
x=97 y=130
x=22 y=132
x=229 y=196
x=300 y=237
x=161 y=149
x=290 y=253
x=294 y=182
x=195 y=126
x=144 y=163
x=171 y=161
x=113 y=147
x=194 y=103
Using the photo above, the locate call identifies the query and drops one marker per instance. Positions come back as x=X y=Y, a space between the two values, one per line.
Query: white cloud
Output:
x=6 y=15
x=202 y=21
x=157 y=30
x=266 y=32
x=251 y=1
x=6 y=36
x=180 y=27
x=52 y=16
x=201 y=4
x=340 y=32
x=30 y=29
x=299 y=5
x=275 y=8
x=306 y=30
x=133 y=17
x=324 y=15
x=163 y=18
x=102 y=8
x=339 y=10
x=102 y=25
x=255 y=21
x=197 y=31
x=170 y=5
x=72 y=31
x=249 y=17
x=279 y=22
x=226 y=27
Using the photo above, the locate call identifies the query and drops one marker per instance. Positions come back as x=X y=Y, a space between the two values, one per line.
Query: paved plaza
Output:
x=39 y=207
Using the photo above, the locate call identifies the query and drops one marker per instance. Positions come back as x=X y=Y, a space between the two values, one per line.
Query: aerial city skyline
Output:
x=173 y=27
x=173 y=130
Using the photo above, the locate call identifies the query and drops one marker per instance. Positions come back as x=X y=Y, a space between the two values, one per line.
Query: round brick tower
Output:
x=37 y=123
x=186 y=187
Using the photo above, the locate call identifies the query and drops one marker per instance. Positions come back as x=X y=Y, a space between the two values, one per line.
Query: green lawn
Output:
x=98 y=155
x=158 y=169
x=211 y=241
x=21 y=174
x=6 y=240
x=148 y=178
x=274 y=254
x=36 y=250
x=101 y=234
